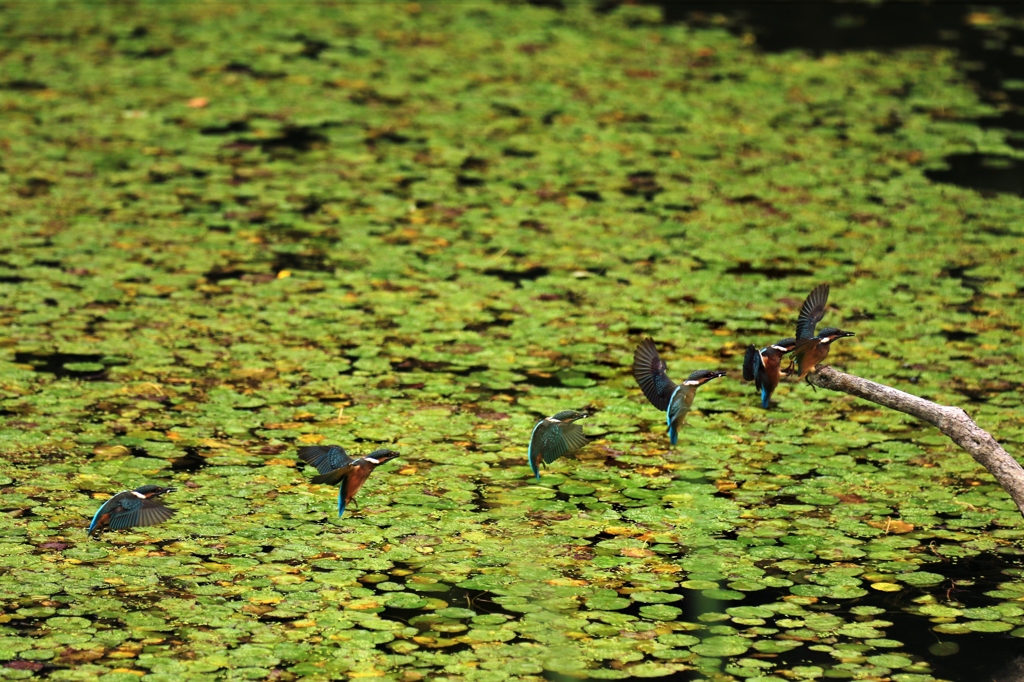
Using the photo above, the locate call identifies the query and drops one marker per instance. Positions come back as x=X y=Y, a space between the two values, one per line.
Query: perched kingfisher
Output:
x=554 y=437
x=810 y=349
x=764 y=367
x=649 y=371
x=137 y=507
x=337 y=468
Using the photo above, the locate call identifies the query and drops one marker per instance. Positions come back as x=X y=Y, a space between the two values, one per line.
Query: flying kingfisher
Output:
x=554 y=437
x=764 y=367
x=337 y=468
x=810 y=349
x=649 y=371
x=132 y=508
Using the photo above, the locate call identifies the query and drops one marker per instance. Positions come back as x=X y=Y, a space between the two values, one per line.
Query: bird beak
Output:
x=849 y=334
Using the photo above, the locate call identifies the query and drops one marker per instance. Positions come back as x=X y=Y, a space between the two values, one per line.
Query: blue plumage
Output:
x=554 y=437
x=651 y=375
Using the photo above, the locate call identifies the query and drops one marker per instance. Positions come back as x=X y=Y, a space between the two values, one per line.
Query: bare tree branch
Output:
x=952 y=421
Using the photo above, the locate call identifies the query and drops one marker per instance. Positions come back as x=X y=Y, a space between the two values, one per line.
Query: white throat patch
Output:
x=372 y=460
x=138 y=495
x=691 y=382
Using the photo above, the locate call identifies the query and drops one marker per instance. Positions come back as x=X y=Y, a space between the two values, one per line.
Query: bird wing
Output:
x=812 y=311
x=558 y=439
x=649 y=371
x=750 y=362
x=326 y=458
x=333 y=477
x=132 y=511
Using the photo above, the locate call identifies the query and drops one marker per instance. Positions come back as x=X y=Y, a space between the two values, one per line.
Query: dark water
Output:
x=986 y=56
x=982 y=657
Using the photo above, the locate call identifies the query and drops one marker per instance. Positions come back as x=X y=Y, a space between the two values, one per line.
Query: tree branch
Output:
x=952 y=421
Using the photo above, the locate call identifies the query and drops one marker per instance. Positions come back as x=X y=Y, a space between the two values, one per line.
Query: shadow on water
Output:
x=61 y=365
x=986 y=54
x=968 y=657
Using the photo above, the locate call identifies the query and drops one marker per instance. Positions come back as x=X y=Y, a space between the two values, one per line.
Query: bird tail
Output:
x=341 y=502
x=673 y=434
x=765 y=398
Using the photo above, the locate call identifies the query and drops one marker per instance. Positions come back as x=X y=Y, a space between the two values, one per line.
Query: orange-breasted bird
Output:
x=764 y=367
x=337 y=468
x=811 y=349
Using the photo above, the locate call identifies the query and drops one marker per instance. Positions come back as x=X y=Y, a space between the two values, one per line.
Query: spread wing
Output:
x=326 y=458
x=649 y=371
x=135 y=512
x=552 y=440
x=812 y=311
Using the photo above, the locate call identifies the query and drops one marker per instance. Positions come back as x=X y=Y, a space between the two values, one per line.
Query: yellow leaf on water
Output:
x=894 y=526
x=886 y=587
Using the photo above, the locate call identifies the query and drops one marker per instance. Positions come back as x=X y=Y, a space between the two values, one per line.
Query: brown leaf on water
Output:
x=637 y=552
x=894 y=526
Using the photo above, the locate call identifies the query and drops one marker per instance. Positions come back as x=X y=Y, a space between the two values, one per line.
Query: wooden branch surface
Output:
x=952 y=421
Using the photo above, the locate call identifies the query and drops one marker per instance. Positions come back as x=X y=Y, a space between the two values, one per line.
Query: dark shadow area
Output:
x=517 y=277
x=192 y=461
x=983 y=172
x=56 y=364
x=768 y=271
x=986 y=55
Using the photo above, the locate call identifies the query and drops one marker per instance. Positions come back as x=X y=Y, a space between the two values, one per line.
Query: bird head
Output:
x=785 y=345
x=703 y=376
x=382 y=455
x=830 y=334
x=151 y=490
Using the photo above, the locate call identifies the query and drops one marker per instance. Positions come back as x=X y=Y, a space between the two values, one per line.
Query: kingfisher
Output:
x=555 y=436
x=649 y=370
x=810 y=349
x=764 y=367
x=337 y=468
x=129 y=508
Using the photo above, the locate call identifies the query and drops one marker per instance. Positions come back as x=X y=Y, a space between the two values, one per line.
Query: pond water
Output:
x=230 y=230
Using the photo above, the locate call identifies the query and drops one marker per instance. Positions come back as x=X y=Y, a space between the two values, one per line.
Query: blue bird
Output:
x=337 y=468
x=764 y=367
x=554 y=437
x=131 y=508
x=649 y=371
